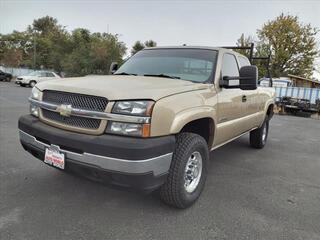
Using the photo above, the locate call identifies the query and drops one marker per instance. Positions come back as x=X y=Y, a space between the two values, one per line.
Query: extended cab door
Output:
x=230 y=103
x=251 y=104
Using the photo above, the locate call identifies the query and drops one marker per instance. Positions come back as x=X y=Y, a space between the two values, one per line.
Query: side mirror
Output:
x=248 y=78
x=113 y=67
x=230 y=82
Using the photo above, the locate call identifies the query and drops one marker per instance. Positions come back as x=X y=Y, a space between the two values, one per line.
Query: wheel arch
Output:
x=205 y=127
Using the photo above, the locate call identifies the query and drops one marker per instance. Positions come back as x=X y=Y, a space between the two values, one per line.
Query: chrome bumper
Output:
x=157 y=165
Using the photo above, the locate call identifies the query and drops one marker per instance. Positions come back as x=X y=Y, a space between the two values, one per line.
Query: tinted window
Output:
x=243 y=61
x=196 y=65
x=229 y=66
x=49 y=74
x=42 y=74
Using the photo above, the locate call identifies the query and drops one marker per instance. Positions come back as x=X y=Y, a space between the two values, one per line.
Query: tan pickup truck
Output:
x=152 y=123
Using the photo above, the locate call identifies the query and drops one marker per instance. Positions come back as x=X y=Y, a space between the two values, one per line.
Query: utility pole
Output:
x=34 y=51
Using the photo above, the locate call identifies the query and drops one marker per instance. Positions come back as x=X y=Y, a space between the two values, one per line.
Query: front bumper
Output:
x=122 y=159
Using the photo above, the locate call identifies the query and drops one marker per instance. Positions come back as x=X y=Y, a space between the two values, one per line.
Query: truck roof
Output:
x=196 y=47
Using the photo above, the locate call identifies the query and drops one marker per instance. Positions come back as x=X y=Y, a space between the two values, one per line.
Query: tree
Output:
x=244 y=41
x=138 y=46
x=150 y=43
x=45 y=25
x=92 y=53
x=50 y=43
x=47 y=44
x=260 y=50
x=15 y=49
x=292 y=45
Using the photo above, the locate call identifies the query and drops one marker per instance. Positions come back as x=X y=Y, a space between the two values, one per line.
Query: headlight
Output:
x=136 y=108
x=133 y=108
x=129 y=129
x=35 y=94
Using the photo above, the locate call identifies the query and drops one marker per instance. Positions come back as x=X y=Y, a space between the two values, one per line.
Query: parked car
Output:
x=5 y=76
x=152 y=124
x=35 y=77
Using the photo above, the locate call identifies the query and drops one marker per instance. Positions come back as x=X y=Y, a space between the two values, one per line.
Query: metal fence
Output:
x=311 y=94
x=16 y=71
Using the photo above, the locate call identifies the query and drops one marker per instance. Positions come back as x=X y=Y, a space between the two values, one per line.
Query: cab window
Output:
x=229 y=66
x=243 y=61
x=49 y=74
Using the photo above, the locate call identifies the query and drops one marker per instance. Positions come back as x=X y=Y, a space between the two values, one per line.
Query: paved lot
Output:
x=272 y=193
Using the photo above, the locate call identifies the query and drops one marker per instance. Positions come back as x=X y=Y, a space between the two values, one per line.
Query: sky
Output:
x=175 y=22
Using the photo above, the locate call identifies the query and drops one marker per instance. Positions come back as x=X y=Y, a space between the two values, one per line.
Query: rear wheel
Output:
x=188 y=171
x=32 y=83
x=259 y=136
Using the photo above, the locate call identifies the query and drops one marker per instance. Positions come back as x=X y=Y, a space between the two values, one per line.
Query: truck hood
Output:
x=122 y=87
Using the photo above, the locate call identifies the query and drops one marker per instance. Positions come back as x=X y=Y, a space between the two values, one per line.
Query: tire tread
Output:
x=170 y=191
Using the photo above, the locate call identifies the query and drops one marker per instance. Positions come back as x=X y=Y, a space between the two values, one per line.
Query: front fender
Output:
x=189 y=115
x=172 y=113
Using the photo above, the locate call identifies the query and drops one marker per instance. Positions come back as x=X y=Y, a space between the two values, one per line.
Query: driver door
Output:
x=231 y=105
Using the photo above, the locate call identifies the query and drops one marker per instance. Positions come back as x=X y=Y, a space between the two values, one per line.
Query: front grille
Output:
x=74 y=121
x=80 y=101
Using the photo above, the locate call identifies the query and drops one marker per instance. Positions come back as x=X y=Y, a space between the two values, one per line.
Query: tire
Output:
x=8 y=79
x=175 y=192
x=259 y=136
x=32 y=83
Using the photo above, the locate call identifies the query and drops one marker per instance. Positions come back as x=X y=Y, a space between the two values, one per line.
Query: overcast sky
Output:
x=167 y=22
x=212 y=23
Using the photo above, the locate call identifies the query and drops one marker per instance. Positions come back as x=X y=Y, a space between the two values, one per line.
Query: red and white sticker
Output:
x=54 y=158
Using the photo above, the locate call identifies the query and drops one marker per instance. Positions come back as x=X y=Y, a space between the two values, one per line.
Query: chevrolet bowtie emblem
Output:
x=65 y=110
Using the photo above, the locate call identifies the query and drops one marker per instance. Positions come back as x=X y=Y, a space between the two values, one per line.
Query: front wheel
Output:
x=259 y=136
x=188 y=171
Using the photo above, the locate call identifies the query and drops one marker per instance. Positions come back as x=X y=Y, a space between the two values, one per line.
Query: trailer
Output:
x=298 y=100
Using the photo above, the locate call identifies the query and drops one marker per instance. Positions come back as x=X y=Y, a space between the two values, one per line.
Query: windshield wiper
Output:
x=124 y=73
x=161 y=75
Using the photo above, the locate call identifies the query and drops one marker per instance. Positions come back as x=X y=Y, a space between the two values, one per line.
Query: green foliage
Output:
x=46 y=44
x=14 y=48
x=138 y=46
x=292 y=45
x=260 y=50
x=150 y=43
x=244 y=41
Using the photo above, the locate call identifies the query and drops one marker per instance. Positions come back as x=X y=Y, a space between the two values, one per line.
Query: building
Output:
x=303 y=82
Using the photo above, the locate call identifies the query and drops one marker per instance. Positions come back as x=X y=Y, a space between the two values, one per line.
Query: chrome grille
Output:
x=80 y=101
x=80 y=122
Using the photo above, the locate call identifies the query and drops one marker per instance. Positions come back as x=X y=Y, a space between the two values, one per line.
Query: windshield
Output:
x=195 y=65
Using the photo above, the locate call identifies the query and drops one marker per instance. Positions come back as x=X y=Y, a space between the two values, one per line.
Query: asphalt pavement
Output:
x=273 y=193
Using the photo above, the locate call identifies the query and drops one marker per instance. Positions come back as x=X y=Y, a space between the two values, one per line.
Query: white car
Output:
x=36 y=77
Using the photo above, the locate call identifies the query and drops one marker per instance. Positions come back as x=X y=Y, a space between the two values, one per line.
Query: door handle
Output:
x=244 y=98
